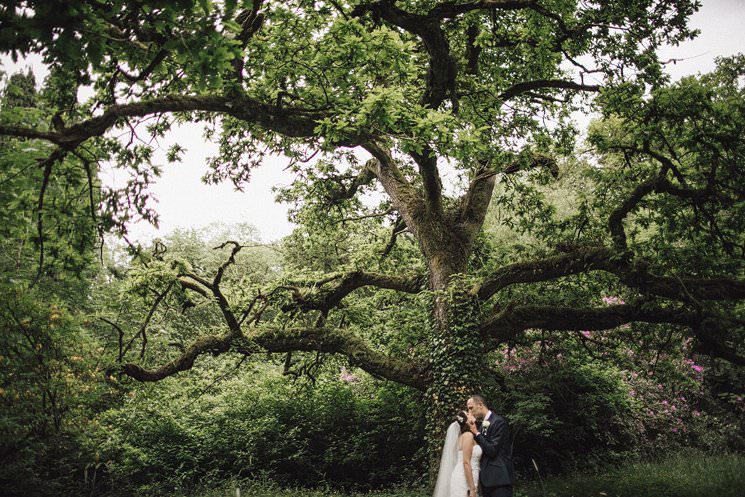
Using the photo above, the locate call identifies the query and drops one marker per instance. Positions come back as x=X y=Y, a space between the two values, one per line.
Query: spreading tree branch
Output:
x=634 y=274
x=20 y=132
x=327 y=298
x=46 y=165
x=272 y=340
x=473 y=50
x=442 y=66
x=475 y=202
x=291 y=122
x=215 y=344
x=513 y=320
x=398 y=227
x=427 y=162
x=134 y=78
x=405 y=198
x=142 y=332
x=320 y=338
x=548 y=268
x=344 y=192
x=340 y=341
x=454 y=9
x=615 y=220
x=250 y=22
x=120 y=336
x=659 y=184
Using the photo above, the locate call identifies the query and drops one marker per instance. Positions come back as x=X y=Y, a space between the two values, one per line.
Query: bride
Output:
x=460 y=461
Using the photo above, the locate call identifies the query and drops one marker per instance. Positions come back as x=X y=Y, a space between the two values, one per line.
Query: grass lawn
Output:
x=687 y=474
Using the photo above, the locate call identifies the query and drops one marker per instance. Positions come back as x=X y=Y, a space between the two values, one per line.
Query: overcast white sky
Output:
x=184 y=201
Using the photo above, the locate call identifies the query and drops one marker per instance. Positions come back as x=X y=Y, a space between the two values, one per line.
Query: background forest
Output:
x=599 y=275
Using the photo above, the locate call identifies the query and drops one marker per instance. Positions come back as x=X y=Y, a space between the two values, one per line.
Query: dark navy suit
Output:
x=497 y=472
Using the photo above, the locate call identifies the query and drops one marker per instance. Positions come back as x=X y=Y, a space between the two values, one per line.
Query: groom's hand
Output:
x=472 y=425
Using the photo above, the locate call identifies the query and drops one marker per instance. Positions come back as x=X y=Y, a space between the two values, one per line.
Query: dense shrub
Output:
x=342 y=432
x=47 y=390
x=567 y=415
x=354 y=433
x=570 y=412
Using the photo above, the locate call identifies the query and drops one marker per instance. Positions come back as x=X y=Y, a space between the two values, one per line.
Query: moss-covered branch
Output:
x=340 y=341
x=327 y=340
x=634 y=274
x=344 y=284
x=513 y=320
x=292 y=122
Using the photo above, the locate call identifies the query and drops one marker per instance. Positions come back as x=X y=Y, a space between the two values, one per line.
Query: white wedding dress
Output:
x=458 y=483
x=451 y=479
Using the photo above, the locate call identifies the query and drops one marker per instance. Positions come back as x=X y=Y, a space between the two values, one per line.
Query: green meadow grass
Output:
x=686 y=474
x=270 y=489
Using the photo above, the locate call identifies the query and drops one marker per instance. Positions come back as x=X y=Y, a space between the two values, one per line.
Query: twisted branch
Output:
x=515 y=319
x=291 y=122
x=326 y=299
x=633 y=274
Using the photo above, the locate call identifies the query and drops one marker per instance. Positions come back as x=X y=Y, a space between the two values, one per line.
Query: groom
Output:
x=497 y=474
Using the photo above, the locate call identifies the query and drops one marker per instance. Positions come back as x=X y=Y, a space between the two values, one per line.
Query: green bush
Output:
x=47 y=360
x=568 y=415
x=570 y=412
x=353 y=435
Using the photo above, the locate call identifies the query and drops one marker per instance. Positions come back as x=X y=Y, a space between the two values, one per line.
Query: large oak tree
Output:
x=386 y=95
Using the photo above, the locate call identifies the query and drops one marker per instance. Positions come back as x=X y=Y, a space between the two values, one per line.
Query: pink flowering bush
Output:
x=565 y=413
x=593 y=397
x=663 y=414
x=613 y=300
x=679 y=411
x=348 y=377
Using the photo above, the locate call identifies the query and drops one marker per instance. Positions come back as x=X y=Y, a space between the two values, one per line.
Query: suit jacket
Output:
x=496 y=460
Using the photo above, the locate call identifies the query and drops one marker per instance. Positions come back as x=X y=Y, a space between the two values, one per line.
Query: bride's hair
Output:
x=462 y=419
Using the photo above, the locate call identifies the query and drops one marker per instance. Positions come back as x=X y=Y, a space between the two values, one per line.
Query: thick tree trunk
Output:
x=446 y=239
x=457 y=351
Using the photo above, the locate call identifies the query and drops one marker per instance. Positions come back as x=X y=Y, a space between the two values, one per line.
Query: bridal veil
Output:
x=447 y=461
